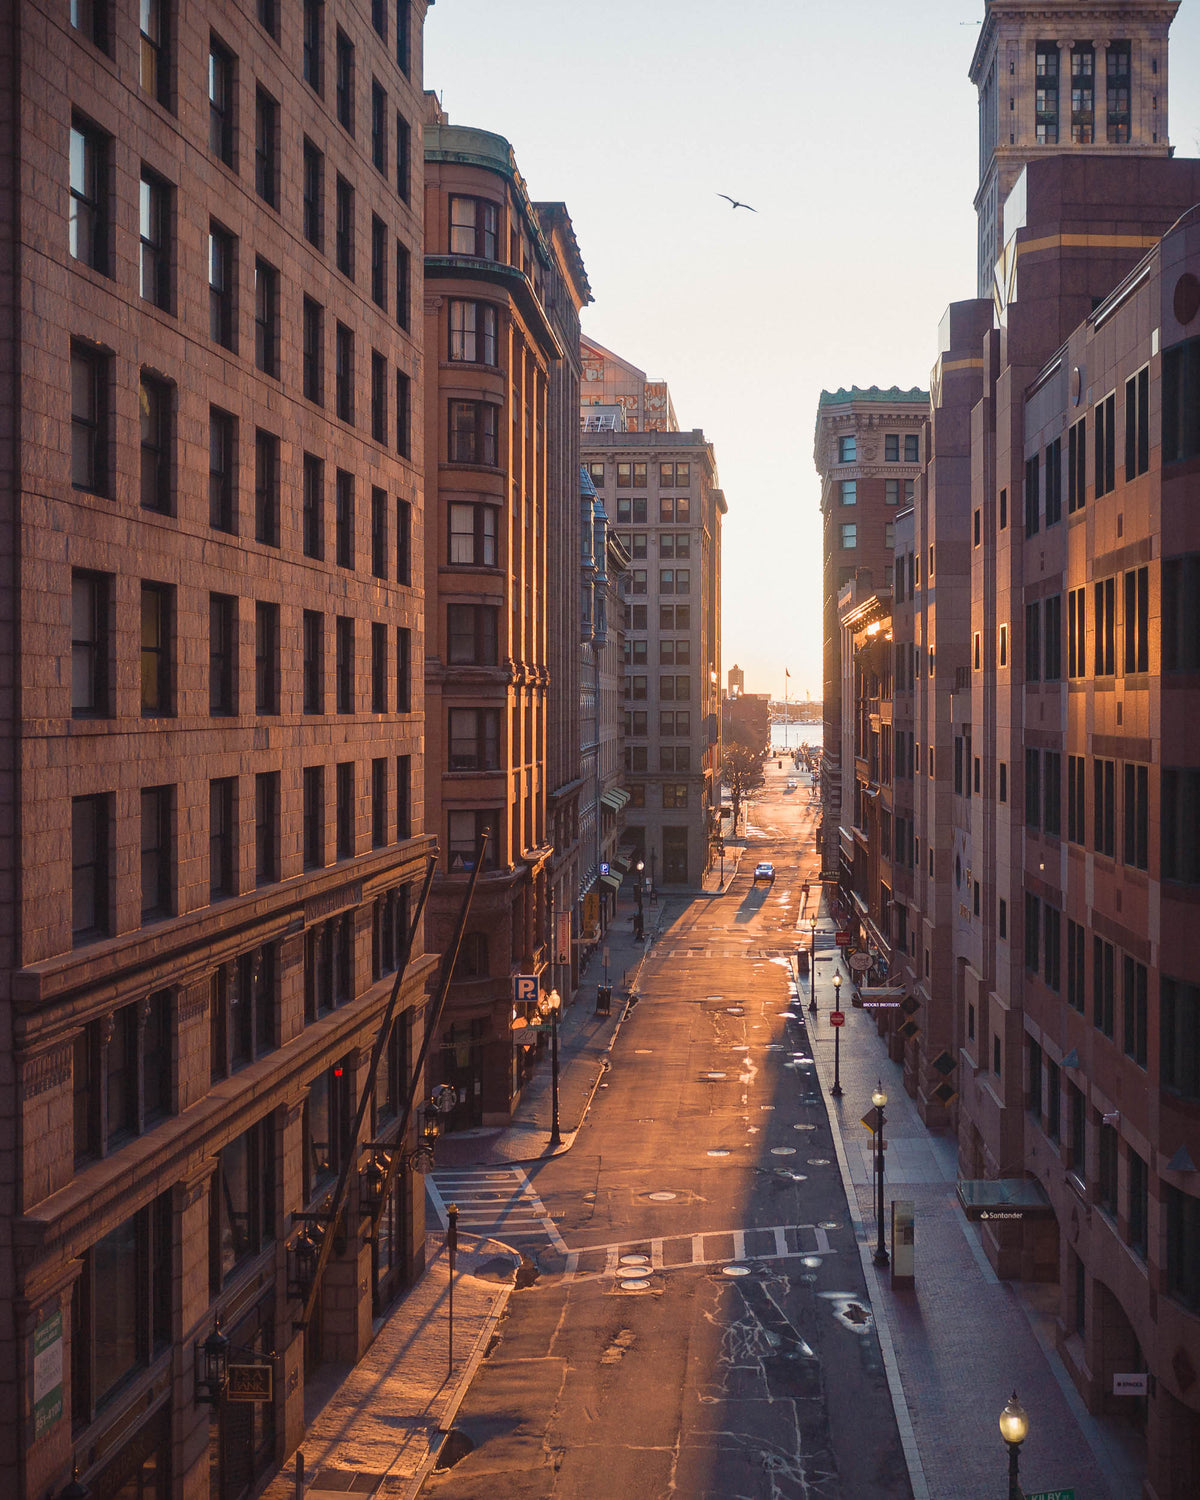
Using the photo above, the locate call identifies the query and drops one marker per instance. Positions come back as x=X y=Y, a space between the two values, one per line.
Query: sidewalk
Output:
x=376 y=1428
x=957 y=1344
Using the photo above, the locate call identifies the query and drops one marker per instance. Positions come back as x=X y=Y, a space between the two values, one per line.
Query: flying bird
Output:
x=736 y=204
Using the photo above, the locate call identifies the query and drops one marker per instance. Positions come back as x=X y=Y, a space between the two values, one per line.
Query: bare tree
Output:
x=744 y=779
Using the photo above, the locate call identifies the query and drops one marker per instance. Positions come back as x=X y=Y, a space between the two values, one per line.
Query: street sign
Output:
x=604 y=867
x=1131 y=1385
x=525 y=989
x=1052 y=1495
x=837 y=1017
x=842 y=938
x=562 y=937
x=860 y=962
x=249 y=1383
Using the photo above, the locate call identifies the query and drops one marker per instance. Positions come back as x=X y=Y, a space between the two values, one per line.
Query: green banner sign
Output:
x=1052 y=1495
x=47 y=1374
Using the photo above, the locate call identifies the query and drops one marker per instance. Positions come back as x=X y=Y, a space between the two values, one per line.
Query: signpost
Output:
x=452 y=1252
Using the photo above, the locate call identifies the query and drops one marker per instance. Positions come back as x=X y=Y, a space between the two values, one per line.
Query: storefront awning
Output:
x=616 y=797
x=613 y=881
x=1004 y=1198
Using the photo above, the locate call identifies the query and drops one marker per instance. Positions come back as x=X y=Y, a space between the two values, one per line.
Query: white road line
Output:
x=780 y=1241
x=739 y=1244
x=656 y=1254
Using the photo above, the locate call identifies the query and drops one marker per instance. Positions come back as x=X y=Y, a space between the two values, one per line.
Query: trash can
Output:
x=802 y=962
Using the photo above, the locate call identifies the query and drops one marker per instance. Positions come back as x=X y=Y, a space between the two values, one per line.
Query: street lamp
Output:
x=549 y=1005
x=1014 y=1428
x=879 y=1099
x=213 y=1361
x=812 y=964
x=836 y=1090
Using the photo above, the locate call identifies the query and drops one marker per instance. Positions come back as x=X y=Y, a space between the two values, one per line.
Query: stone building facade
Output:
x=502 y=298
x=659 y=488
x=212 y=454
x=868 y=452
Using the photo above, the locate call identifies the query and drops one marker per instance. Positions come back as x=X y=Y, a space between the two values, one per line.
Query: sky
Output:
x=852 y=130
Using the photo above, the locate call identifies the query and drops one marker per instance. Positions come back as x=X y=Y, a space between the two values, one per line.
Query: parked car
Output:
x=764 y=871
x=791 y=786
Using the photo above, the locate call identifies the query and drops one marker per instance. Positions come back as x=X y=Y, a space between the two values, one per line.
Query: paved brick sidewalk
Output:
x=958 y=1343
x=383 y=1420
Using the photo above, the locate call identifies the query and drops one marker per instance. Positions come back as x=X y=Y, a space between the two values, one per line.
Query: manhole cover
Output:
x=804 y=1127
x=766 y=1106
x=638 y=1284
x=643 y=1051
x=783 y=1150
x=787 y=1015
x=719 y=1151
x=661 y=1197
x=828 y=1224
x=714 y=1076
x=813 y=1262
x=635 y=1260
x=818 y=1161
x=735 y=1270
x=736 y=1010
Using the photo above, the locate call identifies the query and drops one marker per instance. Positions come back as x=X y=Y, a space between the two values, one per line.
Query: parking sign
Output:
x=525 y=989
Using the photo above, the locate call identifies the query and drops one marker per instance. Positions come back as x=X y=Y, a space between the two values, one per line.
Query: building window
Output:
x=344 y=227
x=378 y=668
x=266 y=148
x=266 y=488
x=1076 y=791
x=313 y=831
x=266 y=658
x=474 y=739
x=464 y=830
x=471 y=634
x=121 y=1308
x=1183 y=1245
x=847 y=450
x=344 y=518
x=222 y=654
x=849 y=535
x=403 y=415
x=403 y=281
x=89 y=868
x=473 y=535
x=1077 y=632
x=220 y=102
x=1179 y=1037
x=154 y=229
x=1105 y=661
x=1136 y=807
x=325 y=1128
x=404 y=160
x=1033 y=641
x=1083 y=122
x=378 y=126
x=1104 y=807
x=1052 y=638
x=379 y=532
x=1137 y=424
x=1103 y=986
x=1032 y=496
x=313 y=506
x=314 y=195
x=474 y=227
x=1117 y=91
x=222 y=323
x=473 y=429
x=1139 y=1203
x=911 y=448
x=345 y=810
x=379 y=414
x=90 y=20
x=473 y=332
x=344 y=665
x=156 y=649
x=1106 y=445
x=156 y=852
x=222 y=834
x=379 y=803
x=1181 y=401
x=1077 y=466
x=90 y=675
x=242 y=1204
x=155 y=401
x=266 y=318
x=891 y=448
x=404 y=543
x=345 y=81
x=344 y=373
x=404 y=796
x=403 y=53
x=88 y=227
x=313 y=322
x=266 y=827
x=90 y=461
x=222 y=469
x=313 y=645
x=379 y=243
x=1135 y=1009
x=1137 y=620
x=849 y=491
x=403 y=670
x=1076 y=979
x=1180 y=846
x=313 y=46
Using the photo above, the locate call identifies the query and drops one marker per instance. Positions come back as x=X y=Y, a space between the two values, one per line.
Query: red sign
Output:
x=837 y=1017
x=842 y=939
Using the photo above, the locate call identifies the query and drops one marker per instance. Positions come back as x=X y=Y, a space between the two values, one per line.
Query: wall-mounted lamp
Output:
x=212 y=1366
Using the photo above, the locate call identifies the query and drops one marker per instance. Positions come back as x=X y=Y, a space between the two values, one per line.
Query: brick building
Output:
x=868 y=451
x=213 y=779
x=503 y=289
x=659 y=488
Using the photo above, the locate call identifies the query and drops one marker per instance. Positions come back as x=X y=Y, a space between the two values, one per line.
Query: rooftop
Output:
x=891 y=395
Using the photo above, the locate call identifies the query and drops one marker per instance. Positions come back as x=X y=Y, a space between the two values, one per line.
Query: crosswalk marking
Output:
x=713 y=1247
x=504 y=1203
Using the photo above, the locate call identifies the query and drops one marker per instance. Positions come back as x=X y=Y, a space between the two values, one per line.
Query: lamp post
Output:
x=879 y=1099
x=812 y=964
x=1014 y=1428
x=549 y=1005
x=836 y=1090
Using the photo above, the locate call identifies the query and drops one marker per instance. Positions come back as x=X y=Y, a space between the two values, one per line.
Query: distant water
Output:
x=788 y=736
